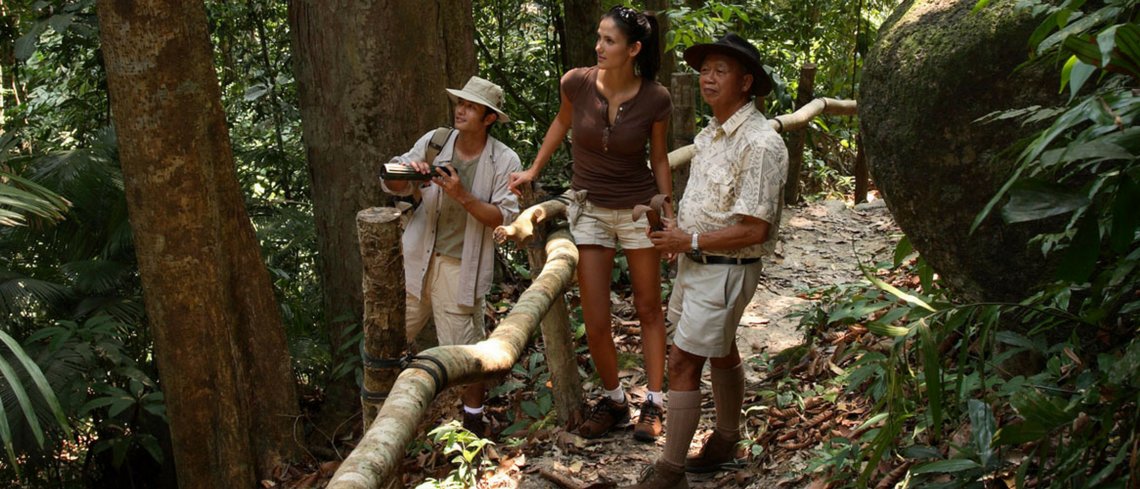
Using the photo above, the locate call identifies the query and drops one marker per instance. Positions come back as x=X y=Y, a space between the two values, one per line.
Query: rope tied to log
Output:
x=436 y=370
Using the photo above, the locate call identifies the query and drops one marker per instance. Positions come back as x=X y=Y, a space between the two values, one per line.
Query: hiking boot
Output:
x=661 y=476
x=605 y=415
x=476 y=424
x=648 y=426
x=718 y=453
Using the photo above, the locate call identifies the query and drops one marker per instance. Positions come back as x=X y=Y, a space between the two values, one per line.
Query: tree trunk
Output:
x=804 y=95
x=371 y=77
x=581 y=18
x=219 y=342
x=385 y=331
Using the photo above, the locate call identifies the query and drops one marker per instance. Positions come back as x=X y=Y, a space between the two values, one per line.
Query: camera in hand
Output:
x=398 y=171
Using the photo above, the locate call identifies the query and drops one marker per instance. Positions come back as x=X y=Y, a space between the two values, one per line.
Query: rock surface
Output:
x=935 y=69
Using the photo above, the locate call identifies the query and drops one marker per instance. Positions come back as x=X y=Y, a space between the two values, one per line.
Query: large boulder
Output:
x=934 y=70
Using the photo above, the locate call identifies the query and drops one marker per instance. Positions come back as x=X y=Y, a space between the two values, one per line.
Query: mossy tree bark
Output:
x=219 y=341
x=371 y=77
x=935 y=69
x=385 y=336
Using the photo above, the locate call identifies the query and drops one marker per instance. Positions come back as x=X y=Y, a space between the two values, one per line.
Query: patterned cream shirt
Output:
x=739 y=170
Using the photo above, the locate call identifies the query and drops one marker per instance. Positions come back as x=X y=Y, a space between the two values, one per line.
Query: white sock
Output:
x=473 y=410
x=656 y=397
x=617 y=395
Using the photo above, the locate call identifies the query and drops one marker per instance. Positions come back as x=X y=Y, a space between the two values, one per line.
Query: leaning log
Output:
x=373 y=462
x=788 y=122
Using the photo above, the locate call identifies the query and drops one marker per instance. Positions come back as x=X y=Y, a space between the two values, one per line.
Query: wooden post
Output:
x=684 y=123
x=796 y=139
x=862 y=177
x=384 y=315
x=566 y=385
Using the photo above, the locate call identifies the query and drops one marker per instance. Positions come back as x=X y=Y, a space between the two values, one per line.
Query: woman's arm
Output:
x=553 y=139
x=659 y=161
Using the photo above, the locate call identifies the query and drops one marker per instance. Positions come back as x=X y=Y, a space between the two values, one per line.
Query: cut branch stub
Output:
x=521 y=231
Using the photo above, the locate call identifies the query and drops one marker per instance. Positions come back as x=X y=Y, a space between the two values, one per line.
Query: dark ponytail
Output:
x=640 y=27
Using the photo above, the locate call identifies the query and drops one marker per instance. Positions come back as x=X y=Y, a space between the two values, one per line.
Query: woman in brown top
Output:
x=615 y=108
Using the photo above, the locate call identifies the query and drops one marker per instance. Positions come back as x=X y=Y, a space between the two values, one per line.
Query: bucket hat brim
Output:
x=479 y=99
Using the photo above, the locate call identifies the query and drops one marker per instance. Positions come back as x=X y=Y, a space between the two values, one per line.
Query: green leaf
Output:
x=60 y=22
x=37 y=376
x=1081 y=72
x=23 y=400
x=1079 y=260
x=932 y=373
x=946 y=466
x=1125 y=219
x=26 y=45
x=982 y=427
x=903 y=250
x=890 y=289
x=979 y=6
x=887 y=330
x=1041 y=416
x=1032 y=199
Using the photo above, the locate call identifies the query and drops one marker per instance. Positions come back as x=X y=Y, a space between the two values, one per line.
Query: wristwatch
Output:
x=695 y=247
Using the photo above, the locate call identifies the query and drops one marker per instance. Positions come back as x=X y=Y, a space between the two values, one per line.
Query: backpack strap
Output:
x=435 y=144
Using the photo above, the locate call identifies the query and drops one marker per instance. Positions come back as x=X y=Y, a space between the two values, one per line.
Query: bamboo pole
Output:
x=788 y=122
x=374 y=460
x=384 y=314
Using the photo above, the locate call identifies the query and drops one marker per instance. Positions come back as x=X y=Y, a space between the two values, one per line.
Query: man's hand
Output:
x=449 y=181
x=518 y=179
x=672 y=240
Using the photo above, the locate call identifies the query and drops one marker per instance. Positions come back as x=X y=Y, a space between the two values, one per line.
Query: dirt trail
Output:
x=820 y=244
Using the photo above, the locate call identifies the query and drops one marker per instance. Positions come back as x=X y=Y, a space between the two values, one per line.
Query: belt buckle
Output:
x=696 y=256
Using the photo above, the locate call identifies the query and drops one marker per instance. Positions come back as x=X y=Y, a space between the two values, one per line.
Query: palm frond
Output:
x=20 y=197
x=17 y=292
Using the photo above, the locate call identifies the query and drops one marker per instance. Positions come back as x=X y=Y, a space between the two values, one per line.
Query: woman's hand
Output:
x=518 y=179
x=672 y=240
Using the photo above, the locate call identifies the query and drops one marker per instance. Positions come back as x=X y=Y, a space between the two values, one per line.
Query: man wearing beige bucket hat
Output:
x=448 y=248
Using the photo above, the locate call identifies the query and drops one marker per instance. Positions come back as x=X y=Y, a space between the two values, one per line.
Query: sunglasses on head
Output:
x=626 y=14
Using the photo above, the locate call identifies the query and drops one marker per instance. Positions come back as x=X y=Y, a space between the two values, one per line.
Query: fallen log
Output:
x=372 y=464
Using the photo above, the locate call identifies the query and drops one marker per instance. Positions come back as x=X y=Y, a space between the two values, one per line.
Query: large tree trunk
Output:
x=935 y=69
x=371 y=77
x=219 y=342
x=581 y=18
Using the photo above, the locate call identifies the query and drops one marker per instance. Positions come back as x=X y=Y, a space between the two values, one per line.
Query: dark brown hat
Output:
x=737 y=47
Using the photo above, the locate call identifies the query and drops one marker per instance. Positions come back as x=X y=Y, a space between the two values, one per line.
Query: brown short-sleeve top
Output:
x=610 y=160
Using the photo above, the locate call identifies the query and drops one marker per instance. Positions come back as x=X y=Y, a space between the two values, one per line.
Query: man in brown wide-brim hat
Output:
x=726 y=222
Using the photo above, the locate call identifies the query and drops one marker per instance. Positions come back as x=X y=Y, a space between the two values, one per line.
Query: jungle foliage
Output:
x=1042 y=392
x=82 y=404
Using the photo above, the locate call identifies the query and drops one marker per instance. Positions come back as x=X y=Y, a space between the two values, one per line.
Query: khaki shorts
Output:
x=707 y=304
x=593 y=225
x=454 y=324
